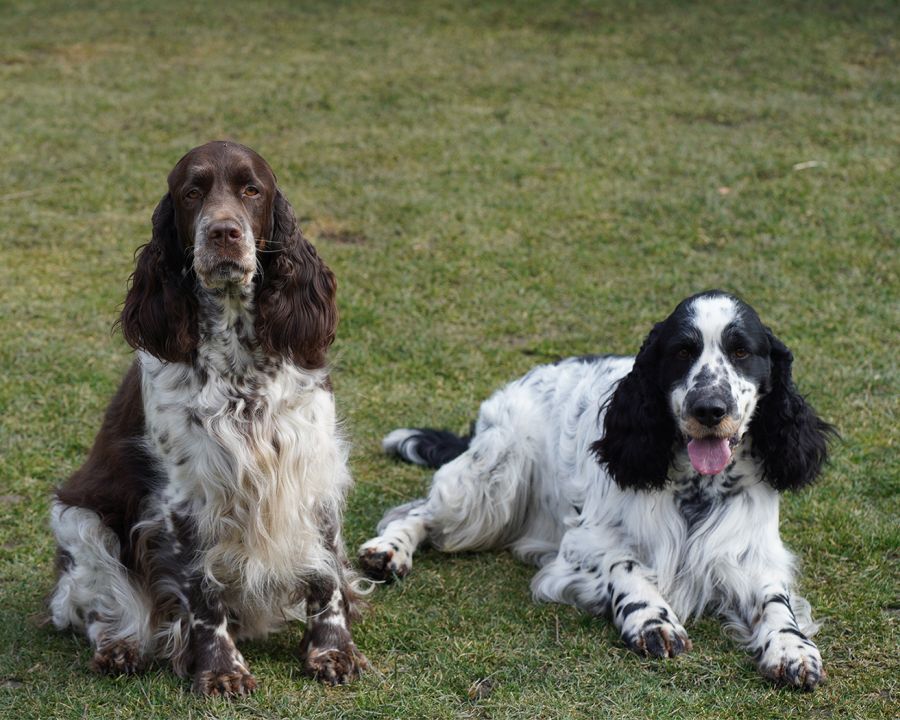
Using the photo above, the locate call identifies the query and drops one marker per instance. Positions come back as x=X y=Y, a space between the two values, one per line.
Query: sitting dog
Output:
x=645 y=488
x=209 y=508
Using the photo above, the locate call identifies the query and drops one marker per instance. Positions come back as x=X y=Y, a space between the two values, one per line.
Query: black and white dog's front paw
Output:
x=653 y=631
x=790 y=658
x=383 y=559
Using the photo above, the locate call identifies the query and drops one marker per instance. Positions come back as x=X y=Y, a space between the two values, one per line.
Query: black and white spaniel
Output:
x=645 y=488
x=209 y=508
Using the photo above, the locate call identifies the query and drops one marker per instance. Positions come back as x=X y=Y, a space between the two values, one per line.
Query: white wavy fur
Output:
x=255 y=507
x=530 y=482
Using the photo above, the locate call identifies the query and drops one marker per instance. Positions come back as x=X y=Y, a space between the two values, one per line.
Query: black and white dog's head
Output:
x=707 y=378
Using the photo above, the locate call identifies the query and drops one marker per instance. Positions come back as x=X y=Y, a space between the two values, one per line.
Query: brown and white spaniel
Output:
x=209 y=508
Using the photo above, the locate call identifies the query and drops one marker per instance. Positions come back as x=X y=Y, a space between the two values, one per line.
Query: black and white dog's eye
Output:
x=740 y=353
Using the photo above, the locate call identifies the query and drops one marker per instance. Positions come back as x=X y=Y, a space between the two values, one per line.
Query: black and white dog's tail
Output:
x=425 y=446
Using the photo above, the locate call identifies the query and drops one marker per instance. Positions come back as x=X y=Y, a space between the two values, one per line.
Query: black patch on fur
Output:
x=789 y=439
x=435 y=447
x=639 y=432
x=782 y=599
x=64 y=560
x=793 y=631
x=632 y=608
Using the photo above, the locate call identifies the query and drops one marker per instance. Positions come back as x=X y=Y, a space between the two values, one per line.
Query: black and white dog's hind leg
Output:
x=476 y=501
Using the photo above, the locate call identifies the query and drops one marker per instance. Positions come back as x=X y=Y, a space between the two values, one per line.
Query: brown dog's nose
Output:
x=224 y=232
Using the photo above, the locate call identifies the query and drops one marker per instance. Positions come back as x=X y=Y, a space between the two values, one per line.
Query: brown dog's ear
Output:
x=296 y=311
x=160 y=312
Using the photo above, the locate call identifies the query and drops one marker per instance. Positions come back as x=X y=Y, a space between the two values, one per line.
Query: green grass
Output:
x=495 y=185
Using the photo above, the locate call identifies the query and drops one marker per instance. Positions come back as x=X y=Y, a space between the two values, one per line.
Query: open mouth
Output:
x=711 y=455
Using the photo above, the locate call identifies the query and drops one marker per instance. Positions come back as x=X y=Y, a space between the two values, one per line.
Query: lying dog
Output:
x=644 y=488
x=209 y=508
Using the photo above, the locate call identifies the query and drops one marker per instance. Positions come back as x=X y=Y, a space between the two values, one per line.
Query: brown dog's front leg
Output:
x=219 y=667
x=329 y=653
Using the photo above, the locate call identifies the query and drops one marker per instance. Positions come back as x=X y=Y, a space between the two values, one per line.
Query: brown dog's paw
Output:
x=118 y=658
x=234 y=683
x=334 y=666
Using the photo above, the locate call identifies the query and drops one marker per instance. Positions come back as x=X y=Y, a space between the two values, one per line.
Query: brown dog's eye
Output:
x=251 y=191
x=192 y=194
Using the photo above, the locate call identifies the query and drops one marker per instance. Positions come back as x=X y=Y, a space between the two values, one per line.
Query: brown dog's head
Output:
x=223 y=194
x=224 y=226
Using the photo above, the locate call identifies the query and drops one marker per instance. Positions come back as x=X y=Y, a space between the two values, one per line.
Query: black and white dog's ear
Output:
x=789 y=439
x=639 y=431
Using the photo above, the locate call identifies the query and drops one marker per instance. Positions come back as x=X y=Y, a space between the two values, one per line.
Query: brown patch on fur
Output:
x=118 y=472
x=327 y=648
x=297 y=314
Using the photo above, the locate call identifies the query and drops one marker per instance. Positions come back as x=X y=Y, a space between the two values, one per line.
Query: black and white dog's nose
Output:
x=708 y=411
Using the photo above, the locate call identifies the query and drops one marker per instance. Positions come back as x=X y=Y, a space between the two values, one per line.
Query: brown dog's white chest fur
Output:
x=250 y=463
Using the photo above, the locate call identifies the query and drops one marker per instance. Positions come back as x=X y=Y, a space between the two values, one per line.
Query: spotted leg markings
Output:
x=652 y=630
x=118 y=658
x=786 y=656
x=389 y=555
x=329 y=653
x=646 y=622
x=385 y=559
x=792 y=659
x=220 y=669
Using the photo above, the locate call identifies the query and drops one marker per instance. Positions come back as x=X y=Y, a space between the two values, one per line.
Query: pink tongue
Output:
x=709 y=456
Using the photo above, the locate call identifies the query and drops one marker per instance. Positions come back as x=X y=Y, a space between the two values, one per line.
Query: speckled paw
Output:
x=229 y=684
x=793 y=661
x=334 y=666
x=119 y=658
x=658 y=637
x=381 y=560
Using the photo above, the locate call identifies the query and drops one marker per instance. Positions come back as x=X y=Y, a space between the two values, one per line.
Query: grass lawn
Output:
x=495 y=185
